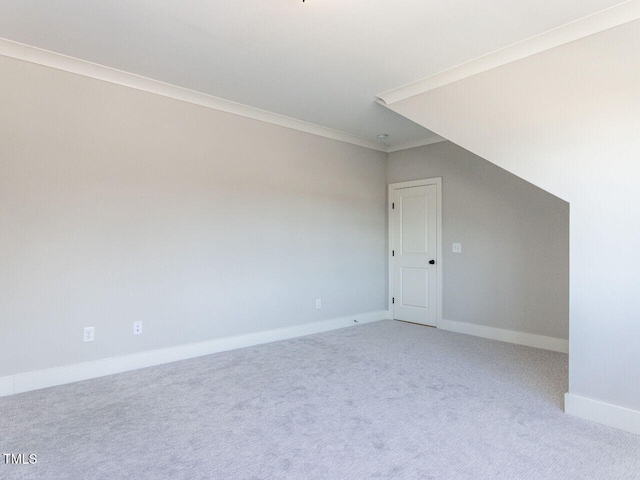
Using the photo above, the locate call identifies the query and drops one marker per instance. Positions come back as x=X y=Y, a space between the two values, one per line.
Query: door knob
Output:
x=432 y=262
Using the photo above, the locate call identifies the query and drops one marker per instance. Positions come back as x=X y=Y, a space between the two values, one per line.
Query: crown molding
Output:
x=415 y=143
x=612 y=17
x=65 y=63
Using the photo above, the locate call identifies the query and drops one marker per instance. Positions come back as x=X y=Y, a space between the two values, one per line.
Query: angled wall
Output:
x=567 y=120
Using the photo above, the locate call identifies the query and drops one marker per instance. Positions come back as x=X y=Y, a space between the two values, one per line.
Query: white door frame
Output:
x=437 y=181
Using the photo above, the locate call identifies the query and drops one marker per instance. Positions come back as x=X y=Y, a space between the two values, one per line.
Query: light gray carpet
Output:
x=386 y=400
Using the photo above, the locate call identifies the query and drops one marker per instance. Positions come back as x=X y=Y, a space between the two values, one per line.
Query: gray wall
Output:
x=118 y=205
x=513 y=272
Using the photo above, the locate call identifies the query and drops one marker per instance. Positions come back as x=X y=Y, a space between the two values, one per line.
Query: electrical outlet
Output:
x=456 y=247
x=137 y=328
x=89 y=334
x=318 y=303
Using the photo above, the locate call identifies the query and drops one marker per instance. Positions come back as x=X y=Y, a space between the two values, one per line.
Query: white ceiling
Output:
x=321 y=61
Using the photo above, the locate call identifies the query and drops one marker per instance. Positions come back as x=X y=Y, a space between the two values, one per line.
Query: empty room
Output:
x=315 y=239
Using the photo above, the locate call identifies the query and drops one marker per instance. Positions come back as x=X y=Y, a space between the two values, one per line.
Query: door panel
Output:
x=414 y=244
x=415 y=287
x=413 y=225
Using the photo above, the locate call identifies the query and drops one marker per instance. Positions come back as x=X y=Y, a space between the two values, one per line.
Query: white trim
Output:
x=589 y=25
x=24 y=382
x=510 y=336
x=6 y=386
x=415 y=143
x=58 y=61
x=604 y=413
x=437 y=181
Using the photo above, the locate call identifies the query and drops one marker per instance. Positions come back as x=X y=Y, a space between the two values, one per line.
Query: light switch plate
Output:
x=89 y=334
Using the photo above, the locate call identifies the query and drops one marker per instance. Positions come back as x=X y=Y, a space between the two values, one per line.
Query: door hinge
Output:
x=393 y=206
x=393 y=299
x=393 y=253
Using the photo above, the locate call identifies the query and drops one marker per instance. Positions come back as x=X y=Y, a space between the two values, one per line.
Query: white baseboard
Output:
x=6 y=386
x=24 y=382
x=604 y=413
x=510 y=336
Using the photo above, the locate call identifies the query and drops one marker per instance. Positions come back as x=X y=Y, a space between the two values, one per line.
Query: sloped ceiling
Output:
x=528 y=114
x=321 y=61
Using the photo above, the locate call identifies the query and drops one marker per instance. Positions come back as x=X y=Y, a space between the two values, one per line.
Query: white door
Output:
x=414 y=260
